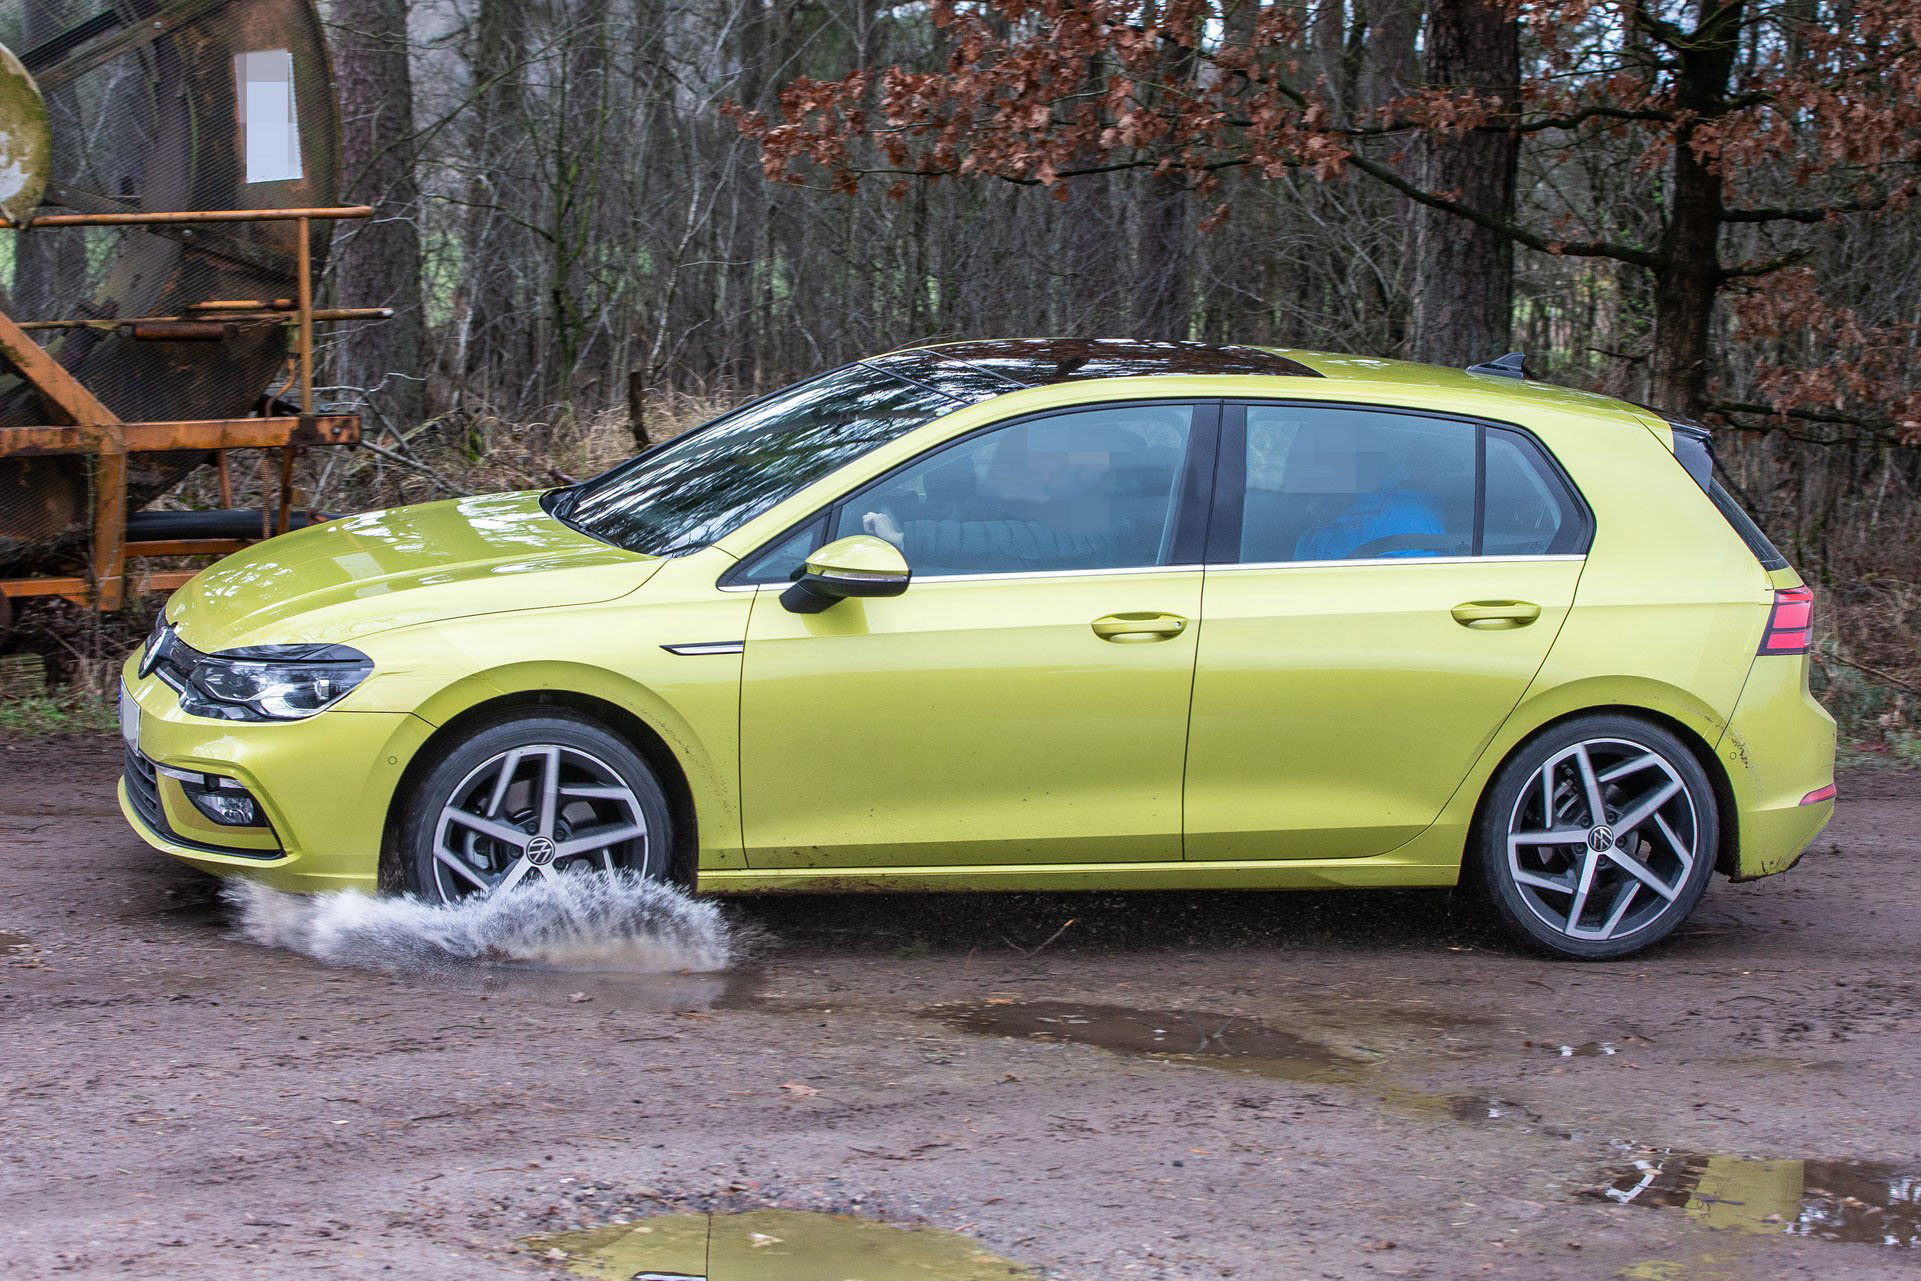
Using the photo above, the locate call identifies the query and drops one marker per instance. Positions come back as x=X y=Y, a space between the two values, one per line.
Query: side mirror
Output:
x=861 y=565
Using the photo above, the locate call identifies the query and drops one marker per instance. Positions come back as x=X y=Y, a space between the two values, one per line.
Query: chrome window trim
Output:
x=1222 y=567
x=1001 y=578
x=1229 y=566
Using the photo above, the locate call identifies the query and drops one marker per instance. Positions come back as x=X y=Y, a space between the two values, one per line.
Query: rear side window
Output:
x=1327 y=483
x=1694 y=450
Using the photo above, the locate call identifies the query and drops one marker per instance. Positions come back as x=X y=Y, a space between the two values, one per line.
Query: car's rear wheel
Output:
x=1597 y=838
x=528 y=798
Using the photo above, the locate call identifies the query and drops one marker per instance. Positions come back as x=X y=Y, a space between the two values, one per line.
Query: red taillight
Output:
x=1818 y=795
x=1789 y=622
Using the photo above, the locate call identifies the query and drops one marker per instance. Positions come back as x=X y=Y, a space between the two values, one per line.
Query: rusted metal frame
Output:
x=186 y=547
x=142 y=32
x=130 y=219
x=214 y=317
x=101 y=433
x=81 y=592
x=211 y=433
x=303 y=303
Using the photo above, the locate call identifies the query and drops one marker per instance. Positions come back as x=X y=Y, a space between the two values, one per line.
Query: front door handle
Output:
x=1495 y=615
x=1133 y=629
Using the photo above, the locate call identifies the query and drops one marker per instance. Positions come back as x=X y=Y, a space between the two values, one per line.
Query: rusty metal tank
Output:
x=148 y=106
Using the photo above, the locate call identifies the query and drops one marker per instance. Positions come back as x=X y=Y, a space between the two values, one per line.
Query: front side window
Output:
x=1083 y=490
x=1333 y=483
x=706 y=484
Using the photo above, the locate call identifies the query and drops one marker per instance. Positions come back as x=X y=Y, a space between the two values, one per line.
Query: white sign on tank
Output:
x=268 y=125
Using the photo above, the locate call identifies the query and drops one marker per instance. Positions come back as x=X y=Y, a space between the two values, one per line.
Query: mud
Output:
x=181 y=1101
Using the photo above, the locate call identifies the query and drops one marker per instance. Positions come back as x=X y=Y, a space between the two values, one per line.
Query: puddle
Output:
x=1230 y=1041
x=14 y=944
x=581 y=928
x=1588 y=1050
x=774 y=1245
x=1820 y=1200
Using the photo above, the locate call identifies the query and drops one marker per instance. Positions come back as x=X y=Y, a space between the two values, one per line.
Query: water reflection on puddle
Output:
x=774 y=1245
x=1231 y=1041
x=1822 y=1200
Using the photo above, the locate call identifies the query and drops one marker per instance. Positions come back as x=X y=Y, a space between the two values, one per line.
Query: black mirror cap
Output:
x=812 y=593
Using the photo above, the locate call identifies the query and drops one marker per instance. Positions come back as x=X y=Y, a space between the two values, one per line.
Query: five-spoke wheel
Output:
x=528 y=798
x=1598 y=838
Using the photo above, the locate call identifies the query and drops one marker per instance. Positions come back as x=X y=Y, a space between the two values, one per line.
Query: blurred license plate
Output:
x=129 y=718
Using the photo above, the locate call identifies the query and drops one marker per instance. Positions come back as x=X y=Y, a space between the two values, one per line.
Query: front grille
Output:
x=176 y=658
x=143 y=789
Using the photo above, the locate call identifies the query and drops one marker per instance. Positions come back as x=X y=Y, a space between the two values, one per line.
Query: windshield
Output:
x=697 y=488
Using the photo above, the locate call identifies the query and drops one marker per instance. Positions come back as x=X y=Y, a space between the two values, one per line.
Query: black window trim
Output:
x=1200 y=468
x=1230 y=490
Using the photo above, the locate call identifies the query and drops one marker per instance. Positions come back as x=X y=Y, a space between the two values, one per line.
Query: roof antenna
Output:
x=1512 y=365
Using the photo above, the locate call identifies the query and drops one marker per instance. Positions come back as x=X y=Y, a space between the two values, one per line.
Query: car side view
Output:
x=1032 y=614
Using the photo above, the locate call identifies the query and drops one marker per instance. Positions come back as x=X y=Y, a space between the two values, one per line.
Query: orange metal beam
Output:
x=209 y=433
x=257 y=316
x=187 y=547
x=80 y=591
x=100 y=429
x=198 y=215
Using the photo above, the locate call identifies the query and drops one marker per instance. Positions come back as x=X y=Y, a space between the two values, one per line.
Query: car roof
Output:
x=976 y=369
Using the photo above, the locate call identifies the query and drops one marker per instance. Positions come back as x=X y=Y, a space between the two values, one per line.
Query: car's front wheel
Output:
x=1597 y=838
x=529 y=797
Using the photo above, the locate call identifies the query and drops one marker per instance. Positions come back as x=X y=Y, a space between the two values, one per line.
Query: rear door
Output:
x=1381 y=587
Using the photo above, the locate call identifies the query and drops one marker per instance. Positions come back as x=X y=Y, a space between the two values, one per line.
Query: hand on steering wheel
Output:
x=882 y=524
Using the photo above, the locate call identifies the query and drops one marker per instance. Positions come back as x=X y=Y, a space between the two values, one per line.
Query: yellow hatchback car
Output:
x=1037 y=614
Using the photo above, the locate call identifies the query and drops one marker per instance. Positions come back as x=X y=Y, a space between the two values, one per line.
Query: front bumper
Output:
x=325 y=784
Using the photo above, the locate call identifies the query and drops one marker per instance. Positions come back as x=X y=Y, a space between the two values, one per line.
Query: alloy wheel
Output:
x=1603 y=840
x=534 y=812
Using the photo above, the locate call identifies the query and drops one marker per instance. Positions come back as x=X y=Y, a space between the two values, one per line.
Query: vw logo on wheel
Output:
x=540 y=851
x=1600 y=840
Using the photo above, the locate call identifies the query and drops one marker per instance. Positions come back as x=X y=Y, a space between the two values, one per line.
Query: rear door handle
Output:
x=1133 y=629
x=1495 y=615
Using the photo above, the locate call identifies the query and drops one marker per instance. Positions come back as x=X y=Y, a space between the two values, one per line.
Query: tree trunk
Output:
x=498 y=362
x=1686 y=284
x=1464 y=274
x=378 y=261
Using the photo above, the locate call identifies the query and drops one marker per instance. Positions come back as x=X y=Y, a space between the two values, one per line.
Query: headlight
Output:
x=273 y=682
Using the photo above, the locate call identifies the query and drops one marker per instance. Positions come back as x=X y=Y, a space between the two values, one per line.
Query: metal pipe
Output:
x=275 y=317
x=205 y=215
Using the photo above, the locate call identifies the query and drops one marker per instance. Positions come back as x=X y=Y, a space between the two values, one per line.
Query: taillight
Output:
x=1789 y=622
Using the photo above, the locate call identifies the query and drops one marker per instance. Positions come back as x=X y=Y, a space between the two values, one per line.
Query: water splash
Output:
x=586 y=921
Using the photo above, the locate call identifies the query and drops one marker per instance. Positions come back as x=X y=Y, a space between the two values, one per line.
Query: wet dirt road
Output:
x=1253 y=1086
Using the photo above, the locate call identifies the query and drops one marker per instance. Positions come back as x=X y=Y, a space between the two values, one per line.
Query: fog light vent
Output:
x=221 y=799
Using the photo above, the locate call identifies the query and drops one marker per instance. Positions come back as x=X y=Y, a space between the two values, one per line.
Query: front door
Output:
x=1025 y=701
x=1381 y=589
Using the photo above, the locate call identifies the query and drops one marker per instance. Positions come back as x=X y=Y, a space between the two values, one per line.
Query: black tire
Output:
x=1535 y=886
x=524 y=745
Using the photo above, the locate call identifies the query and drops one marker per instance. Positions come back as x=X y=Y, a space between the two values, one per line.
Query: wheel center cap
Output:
x=1600 y=840
x=540 y=851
